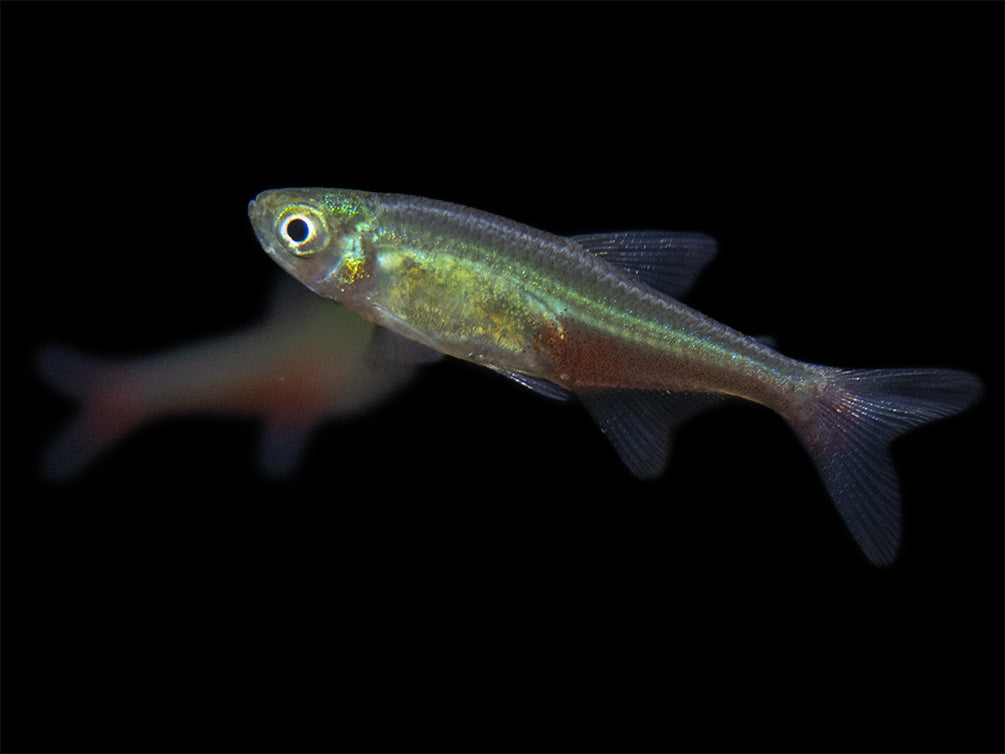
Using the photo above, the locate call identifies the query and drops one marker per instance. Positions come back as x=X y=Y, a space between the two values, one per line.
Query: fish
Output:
x=307 y=362
x=598 y=316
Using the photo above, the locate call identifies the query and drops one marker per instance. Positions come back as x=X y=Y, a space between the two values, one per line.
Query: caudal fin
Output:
x=848 y=434
x=105 y=415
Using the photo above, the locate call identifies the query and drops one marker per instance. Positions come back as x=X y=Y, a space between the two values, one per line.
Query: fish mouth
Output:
x=256 y=209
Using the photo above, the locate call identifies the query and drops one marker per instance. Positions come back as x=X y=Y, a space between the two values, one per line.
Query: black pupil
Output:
x=297 y=230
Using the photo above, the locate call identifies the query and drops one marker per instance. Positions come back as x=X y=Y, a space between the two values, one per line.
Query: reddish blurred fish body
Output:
x=307 y=362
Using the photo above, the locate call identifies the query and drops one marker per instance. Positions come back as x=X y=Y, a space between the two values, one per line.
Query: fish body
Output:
x=305 y=363
x=598 y=316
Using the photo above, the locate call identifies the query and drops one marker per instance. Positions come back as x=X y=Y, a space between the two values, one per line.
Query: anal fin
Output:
x=640 y=423
x=283 y=445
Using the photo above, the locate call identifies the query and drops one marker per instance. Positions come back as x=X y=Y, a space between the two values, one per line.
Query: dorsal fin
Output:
x=668 y=261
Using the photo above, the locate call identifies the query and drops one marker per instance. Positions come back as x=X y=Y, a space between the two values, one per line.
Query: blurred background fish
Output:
x=306 y=362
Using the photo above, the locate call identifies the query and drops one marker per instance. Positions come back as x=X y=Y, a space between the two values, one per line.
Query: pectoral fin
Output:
x=388 y=350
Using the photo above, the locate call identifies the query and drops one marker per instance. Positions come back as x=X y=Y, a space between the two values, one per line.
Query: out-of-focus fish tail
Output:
x=854 y=417
x=106 y=414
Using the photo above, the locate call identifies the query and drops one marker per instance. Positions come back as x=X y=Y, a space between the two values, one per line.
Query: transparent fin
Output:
x=849 y=432
x=639 y=423
x=282 y=448
x=287 y=297
x=542 y=387
x=670 y=262
x=387 y=349
x=105 y=415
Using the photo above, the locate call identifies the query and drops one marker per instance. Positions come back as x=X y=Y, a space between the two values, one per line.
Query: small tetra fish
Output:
x=309 y=361
x=596 y=315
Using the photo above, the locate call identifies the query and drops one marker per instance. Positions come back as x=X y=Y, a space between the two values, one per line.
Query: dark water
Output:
x=469 y=567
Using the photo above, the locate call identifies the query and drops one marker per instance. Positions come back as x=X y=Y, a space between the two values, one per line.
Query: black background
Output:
x=470 y=567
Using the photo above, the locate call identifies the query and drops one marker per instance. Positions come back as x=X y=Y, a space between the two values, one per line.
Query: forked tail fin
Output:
x=106 y=412
x=848 y=433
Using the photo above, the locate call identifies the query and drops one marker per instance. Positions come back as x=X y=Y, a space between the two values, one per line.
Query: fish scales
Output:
x=599 y=316
x=561 y=314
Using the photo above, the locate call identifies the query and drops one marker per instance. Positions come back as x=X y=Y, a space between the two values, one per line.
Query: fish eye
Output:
x=302 y=231
x=297 y=229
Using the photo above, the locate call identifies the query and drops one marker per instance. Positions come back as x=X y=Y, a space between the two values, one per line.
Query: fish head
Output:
x=317 y=236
